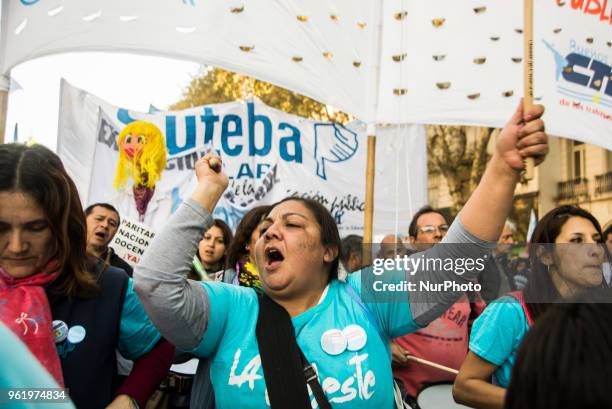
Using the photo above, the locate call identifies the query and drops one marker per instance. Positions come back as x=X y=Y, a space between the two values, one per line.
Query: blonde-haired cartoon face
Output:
x=142 y=154
x=133 y=145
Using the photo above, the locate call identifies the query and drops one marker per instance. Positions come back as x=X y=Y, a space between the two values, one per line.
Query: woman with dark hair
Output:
x=210 y=258
x=566 y=259
x=565 y=361
x=239 y=270
x=264 y=348
x=62 y=303
x=240 y=261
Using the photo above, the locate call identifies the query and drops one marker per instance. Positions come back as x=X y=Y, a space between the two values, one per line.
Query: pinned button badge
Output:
x=333 y=342
x=76 y=334
x=60 y=331
x=355 y=336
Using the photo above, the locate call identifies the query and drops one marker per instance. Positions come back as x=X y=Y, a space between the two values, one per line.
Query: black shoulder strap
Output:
x=285 y=368
x=311 y=379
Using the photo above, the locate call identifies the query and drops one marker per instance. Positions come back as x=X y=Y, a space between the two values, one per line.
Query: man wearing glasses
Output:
x=445 y=340
x=428 y=227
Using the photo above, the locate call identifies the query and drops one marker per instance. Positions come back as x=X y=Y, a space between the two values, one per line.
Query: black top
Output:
x=89 y=367
x=114 y=260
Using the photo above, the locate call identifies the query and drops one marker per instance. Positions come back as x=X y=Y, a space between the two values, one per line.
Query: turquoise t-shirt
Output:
x=497 y=334
x=358 y=376
x=137 y=334
x=20 y=369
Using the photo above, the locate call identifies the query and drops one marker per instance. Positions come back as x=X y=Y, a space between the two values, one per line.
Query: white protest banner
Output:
x=573 y=68
x=267 y=155
x=438 y=62
x=131 y=240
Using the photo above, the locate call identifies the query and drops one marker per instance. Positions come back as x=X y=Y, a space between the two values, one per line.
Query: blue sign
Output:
x=583 y=68
x=236 y=138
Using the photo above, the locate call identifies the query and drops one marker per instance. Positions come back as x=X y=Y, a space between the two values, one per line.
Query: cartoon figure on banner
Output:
x=142 y=158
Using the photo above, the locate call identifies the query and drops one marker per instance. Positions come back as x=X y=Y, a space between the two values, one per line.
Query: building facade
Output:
x=573 y=173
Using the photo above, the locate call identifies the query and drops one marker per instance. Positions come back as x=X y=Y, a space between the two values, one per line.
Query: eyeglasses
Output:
x=430 y=228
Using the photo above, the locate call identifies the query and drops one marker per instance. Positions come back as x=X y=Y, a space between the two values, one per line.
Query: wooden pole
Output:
x=528 y=73
x=369 y=198
x=432 y=364
x=4 y=90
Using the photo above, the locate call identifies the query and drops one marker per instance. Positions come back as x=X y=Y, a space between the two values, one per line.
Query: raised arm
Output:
x=523 y=136
x=179 y=307
x=482 y=219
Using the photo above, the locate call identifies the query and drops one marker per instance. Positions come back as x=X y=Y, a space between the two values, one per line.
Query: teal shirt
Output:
x=352 y=379
x=20 y=369
x=137 y=334
x=497 y=334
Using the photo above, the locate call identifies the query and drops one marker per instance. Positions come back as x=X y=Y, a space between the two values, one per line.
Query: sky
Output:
x=129 y=80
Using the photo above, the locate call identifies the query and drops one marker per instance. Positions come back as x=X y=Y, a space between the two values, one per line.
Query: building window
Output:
x=578 y=160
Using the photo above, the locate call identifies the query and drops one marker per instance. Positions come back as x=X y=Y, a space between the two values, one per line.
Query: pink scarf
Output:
x=24 y=308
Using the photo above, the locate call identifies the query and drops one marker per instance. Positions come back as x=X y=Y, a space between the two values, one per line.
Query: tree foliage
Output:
x=461 y=160
x=215 y=85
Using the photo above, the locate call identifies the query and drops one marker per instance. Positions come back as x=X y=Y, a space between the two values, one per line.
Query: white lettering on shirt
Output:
x=249 y=373
x=335 y=391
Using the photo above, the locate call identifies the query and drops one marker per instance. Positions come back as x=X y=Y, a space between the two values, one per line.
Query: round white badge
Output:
x=76 y=334
x=355 y=336
x=333 y=342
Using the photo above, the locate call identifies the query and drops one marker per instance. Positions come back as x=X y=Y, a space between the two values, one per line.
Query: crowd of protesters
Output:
x=281 y=314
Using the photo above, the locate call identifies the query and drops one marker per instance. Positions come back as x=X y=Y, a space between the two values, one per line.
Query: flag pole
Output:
x=369 y=197
x=4 y=91
x=528 y=72
x=368 y=222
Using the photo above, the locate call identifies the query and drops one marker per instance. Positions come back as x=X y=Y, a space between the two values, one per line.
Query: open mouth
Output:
x=274 y=258
x=100 y=235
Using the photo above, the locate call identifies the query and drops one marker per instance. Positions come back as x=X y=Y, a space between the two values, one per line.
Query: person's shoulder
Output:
x=353 y=279
x=506 y=299
x=504 y=305
x=111 y=278
x=219 y=289
x=114 y=273
x=118 y=262
x=506 y=311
